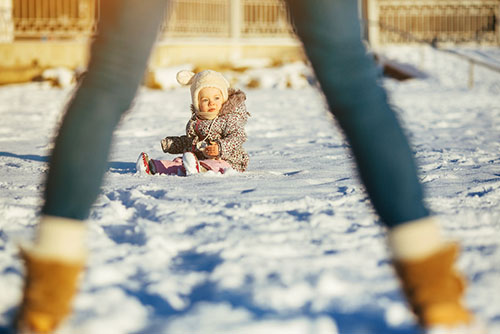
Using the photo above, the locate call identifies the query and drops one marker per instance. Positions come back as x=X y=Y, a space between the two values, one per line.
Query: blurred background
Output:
x=36 y=35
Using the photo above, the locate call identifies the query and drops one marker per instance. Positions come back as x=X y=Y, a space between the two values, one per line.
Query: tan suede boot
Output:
x=50 y=285
x=53 y=265
x=434 y=289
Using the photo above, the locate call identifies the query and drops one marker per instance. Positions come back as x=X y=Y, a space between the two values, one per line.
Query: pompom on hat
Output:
x=203 y=79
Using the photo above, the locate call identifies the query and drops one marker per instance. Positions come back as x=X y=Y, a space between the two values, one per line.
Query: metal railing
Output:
x=454 y=21
x=451 y=21
x=195 y=18
x=227 y=19
x=54 y=18
x=185 y=19
x=264 y=17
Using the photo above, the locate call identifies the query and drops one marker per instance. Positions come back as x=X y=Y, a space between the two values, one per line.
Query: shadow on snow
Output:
x=371 y=320
x=120 y=167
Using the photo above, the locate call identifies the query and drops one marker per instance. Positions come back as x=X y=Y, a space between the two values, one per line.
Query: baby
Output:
x=214 y=135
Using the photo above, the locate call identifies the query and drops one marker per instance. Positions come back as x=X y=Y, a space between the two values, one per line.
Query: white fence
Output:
x=449 y=21
x=34 y=19
x=193 y=18
x=227 y=19
x=185 y=19
x=263 y=17
x=389 y=21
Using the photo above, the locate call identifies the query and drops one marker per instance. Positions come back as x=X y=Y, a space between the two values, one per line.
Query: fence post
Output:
x=373 y=23
x=235 y=18
x=6 y=22
x=497 y=28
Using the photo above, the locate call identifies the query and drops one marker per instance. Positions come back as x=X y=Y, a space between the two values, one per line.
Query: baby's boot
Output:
x=53 y=267
x=433 y=287
x=144 y=165
x=191 y=164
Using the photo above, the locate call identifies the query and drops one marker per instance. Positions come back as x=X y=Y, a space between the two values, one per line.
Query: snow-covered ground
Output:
x=292 y=245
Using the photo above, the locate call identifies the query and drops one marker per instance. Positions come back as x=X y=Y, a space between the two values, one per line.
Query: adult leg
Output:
x=119 y=55
x=330 y=32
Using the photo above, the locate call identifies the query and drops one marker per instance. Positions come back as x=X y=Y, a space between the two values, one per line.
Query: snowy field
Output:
x=292 y=245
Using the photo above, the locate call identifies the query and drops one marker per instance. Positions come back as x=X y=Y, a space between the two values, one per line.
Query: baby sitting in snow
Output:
x=214 y=135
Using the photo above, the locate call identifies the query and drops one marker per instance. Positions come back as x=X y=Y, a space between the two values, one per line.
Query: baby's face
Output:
x=210 y=100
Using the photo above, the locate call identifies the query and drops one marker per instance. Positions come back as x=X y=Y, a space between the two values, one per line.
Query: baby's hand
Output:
x=212 y=150
x=165 y=144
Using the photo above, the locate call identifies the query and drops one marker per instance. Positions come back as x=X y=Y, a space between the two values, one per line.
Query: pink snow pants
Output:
x=175 y=167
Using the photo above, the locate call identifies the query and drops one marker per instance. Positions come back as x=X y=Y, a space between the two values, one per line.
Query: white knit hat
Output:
x=203 y=79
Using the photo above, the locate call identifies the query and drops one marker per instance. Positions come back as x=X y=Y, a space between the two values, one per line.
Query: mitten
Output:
x=166 y=143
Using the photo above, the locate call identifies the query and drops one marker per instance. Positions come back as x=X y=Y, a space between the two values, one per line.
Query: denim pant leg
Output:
x=119 y=55
x=330 y=32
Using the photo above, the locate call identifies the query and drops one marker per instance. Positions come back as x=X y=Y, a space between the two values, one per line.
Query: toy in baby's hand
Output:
x=209 y=150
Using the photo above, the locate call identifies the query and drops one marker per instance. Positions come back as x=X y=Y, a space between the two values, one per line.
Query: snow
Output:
x=165 y=78
x=290 y=246
x=60 y=76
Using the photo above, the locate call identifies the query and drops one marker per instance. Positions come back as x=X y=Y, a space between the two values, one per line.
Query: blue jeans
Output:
x=119 y=55
x=330 y=32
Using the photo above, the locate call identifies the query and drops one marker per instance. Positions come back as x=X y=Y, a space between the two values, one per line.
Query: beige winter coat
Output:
x=227 y=129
